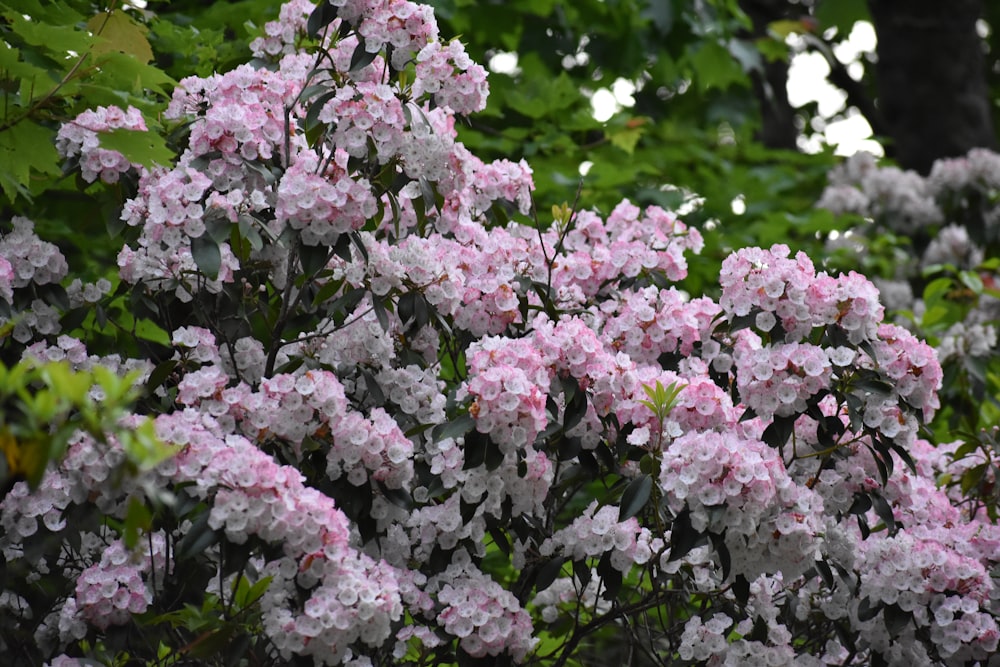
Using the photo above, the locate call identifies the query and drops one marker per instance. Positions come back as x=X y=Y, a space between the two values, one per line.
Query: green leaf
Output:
x=841 y=14
x=884 y=511
x=145 y=148
x=149 y=330
x=362 y=57
x=455 y=428
x=137 y=518
x=25 y=148
x=548 y=573
x=56 y=38
x=635 y=497
x=322 y=16
x=683 y=536
x=626 y=139
x=541 y=96
x=715 y=67
x=207 y=255
x=895 y=619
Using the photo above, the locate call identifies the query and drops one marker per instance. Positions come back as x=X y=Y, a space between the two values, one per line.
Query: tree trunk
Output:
x=771 y=86
x=931 y=79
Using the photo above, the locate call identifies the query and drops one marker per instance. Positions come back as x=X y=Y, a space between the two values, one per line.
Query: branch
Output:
x=582 y=631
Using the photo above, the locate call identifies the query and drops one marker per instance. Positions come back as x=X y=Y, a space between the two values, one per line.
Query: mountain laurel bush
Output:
x=413 y=422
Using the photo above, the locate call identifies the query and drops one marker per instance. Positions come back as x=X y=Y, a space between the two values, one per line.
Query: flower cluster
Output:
x=651 y=322
x=447 y=72
x=109 y=592
x=323 y=206
x=28 y=259
x=509 y=383
x=487 y=618
x=598 y=531
x=911 y=365
x=779 y=379
x=902 y=199
x=776 y=290
x=739 y=487
x=81 y=138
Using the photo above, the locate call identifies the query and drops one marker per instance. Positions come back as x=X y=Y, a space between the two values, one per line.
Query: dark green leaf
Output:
x=207 y=255
x=361 y=57
x=741 y=589
x=455 y=428
x=475 y=449
x=779 y=431
x=499 y=537
x=359 y=244
x=576 y=409
x=348 y=301
x=569 y=448
x=312 y=116
x=398 y=497
x=611 y=577
x=548 y=572
x=217 y=226
x=406 y=307
x=374 y=390
x=683 y=536
x=862 y=503
x=884 y=511
x=635 y=497
x=825 y=573
x=494 y=456
x=314 y=258
x=895 y=619
x=582 y=572
x=867 y=611
x=725 y=559
x=197 y=539
x=324 y=14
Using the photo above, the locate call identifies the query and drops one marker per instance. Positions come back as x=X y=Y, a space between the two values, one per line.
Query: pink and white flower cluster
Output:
x=541 y=344
x=775 y=289
x=598 y=531
x=81 y=138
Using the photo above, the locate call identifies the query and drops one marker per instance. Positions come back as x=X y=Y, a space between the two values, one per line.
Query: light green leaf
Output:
x=714 y=67
x=627 y=138
x=24 y=148
x=145 y=148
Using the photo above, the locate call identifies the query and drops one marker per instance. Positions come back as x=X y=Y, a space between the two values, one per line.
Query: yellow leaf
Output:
x=120 y=33
x=783 y=29
x=8 y=444
x=26 y=460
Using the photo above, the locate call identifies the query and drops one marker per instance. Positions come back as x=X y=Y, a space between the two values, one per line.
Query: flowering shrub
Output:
x=414 y=423
x=939 y=280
